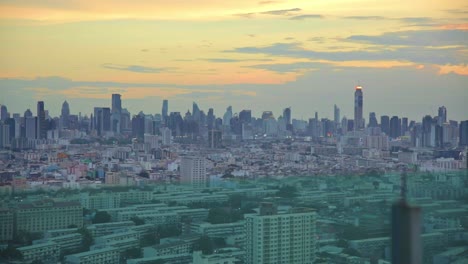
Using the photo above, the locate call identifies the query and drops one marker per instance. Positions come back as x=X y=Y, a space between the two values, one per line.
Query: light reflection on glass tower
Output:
x=358 y=104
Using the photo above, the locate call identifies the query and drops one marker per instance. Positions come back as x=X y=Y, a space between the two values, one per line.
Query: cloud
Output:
x=436 y=37
x=134 y=68
x=414 y=54
x=302 y=17
x=366 y=17
x=416 y=19
x=281 y=12
x=268 y=2
x=226 y=60
x=144 y=50
x=289 y=67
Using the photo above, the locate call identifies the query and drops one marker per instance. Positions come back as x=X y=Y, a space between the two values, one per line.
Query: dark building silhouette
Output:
x=214 y=139
x=41 y=122
x=65 y=114
x=463 y=133
x=102 y=120
x=138 y=126
x=395 y=127
x=385 y=124
x=358 y=108
x=372 y=120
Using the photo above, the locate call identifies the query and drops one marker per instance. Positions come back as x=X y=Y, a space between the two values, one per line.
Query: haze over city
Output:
x=267 y=55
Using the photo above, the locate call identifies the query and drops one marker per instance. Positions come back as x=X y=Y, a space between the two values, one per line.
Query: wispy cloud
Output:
x=366 y=17
x=134 y=68
x=309 y=16
x=282 y=12
x=227 y=60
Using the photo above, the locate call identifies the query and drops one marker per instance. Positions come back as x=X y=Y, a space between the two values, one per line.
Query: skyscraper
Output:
x=358 y=105
x=3 y=112
x=372 y=120
x=102 y=120
x=116 y=115
x=463 y=133
x=404 y=125
x=395 y=127
x=65 y=116
x=442 y=115
x=287 y=115
x=164 y=112
x=41 y=122
x=28 y=113
x=273 y=237
x=227 y=116
x=336 y=115
x=385 y=124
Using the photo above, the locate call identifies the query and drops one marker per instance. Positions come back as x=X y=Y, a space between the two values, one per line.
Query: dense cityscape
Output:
x=113 y=187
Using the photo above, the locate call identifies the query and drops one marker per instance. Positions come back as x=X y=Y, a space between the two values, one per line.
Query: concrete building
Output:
x=48 y=214
x=46 y=252
x=193 y=171
x=6 y=224
x=280 y=238
x=100 y=256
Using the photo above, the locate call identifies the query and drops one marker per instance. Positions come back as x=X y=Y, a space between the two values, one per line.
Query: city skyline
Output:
x=410 y=58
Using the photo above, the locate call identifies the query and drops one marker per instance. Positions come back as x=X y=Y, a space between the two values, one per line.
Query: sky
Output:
x=410 y=56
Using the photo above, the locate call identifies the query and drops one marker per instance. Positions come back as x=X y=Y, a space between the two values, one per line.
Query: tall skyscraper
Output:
x=193 y=171
x=336 y=115
x=404 y=125
x=116 y=113
x=227 y=116
x=358 y=107
x=273 y=237
x=102 y=120
x=395 y=127
x=385 y=124
x=442 y=115
x=463 y=133
x=3 y=112
x=164 y=112
x=41 y=121
x=65 y=116
x=287 y=115
x=31 y=127
x=28 y=113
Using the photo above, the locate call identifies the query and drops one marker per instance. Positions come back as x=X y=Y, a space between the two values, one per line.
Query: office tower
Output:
x=210 y=119
x=116 y=103
x=28 y=113
x=116 y=111
x=406 y=231
x=395 y=127
x=442 y=115
x=227 y=116
x=31 y=127
x=196 y=112
x=336 y=115
x=385 y=124
x=286 y=237
x=102 y=120
x=164 y=112
x=193 y=171
x=267 y=115
x=463 y=133
x=214 y=139
x=41 y=121
x=344 y=125
x=287 y=115
x=372 y=120
x=404 y=125
x=3 y=112
x=358 y=105
x=427 y=133
x=245 y=116
x=138 y=126
x=4 y=135
x=65 y=114
x=13 y=124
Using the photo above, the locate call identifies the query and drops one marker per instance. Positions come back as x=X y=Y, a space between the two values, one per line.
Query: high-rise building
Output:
x=28 y=113
x=358 y=107
x=210 y=119
x=372 y=120
x=102 y=120
x=273 y=237
x=4 y=135
x=214 y=139
x=41 y=121
x=138 y=126
x=195 y=112
x=227 y=116
x=166 y=136
x=116 y=114
x=404 y=125
x=442 y=115
x=336 y=115
x=65 y=114
x=193 y=171
x=395 y=127
x=385 y=124
x=287 y=115
x=31 y=127
x=164 y=112
x=3 y=112
x=463 y=133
